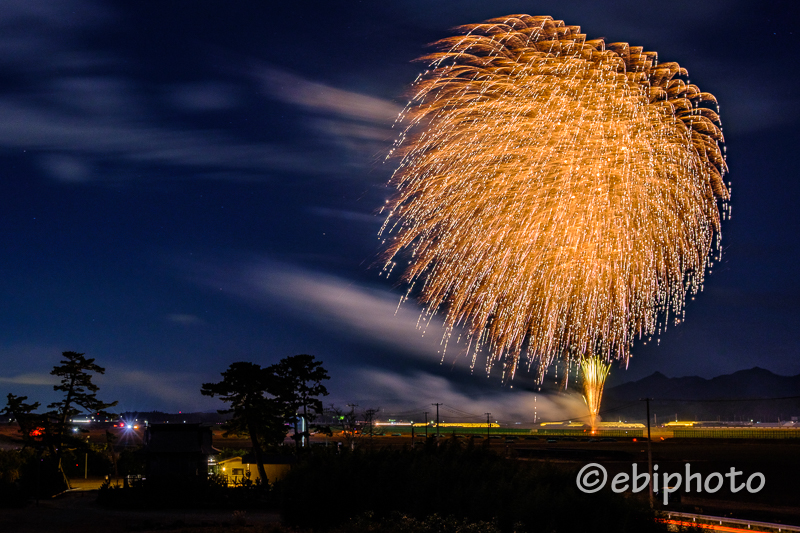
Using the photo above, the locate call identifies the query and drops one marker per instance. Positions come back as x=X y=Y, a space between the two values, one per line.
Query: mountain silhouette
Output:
x=719 y=398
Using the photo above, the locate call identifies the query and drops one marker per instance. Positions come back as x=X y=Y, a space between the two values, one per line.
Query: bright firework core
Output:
x=556 y=195
x=595 y=371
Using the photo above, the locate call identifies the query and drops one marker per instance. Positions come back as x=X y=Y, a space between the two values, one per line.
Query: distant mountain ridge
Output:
x=753 y=383
x=696 y=398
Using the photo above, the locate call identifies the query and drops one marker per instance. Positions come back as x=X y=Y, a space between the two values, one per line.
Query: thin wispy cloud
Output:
x=34 y=359
x=333 y=303
x=75 y=142
x=37 y=34
x=174 y=389
x=325 y=99
x=81 y=112
x=401 y=392
x=30 y=379
x=358 y=123
x=342 y=214
x=204 y=96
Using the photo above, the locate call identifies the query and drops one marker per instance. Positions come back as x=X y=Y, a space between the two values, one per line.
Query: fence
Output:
x=724 y=433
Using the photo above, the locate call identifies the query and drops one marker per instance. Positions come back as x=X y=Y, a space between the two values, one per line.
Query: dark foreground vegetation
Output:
x=452 y=487
x=28 y=474
x=447 y=486
x=452 y=479
x=25 y=475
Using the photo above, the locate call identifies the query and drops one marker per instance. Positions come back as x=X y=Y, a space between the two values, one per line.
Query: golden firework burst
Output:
x=595 y=371
x=556 y=194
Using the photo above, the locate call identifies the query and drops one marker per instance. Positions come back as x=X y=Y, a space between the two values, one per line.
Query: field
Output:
x=777 y=460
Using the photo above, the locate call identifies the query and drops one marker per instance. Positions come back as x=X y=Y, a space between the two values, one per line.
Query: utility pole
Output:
x=426 y=425
x=437 y=420
x=352 y=424
x=649 y=451
x=352 y=407
x=370 y=414
x=488 y=426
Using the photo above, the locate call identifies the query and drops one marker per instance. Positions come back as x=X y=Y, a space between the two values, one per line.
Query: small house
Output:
x=238 y=470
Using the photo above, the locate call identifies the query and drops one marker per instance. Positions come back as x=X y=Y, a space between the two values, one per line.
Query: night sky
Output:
x=187 y=184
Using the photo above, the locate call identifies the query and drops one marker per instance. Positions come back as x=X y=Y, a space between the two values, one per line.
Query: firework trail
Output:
x=595 y=371
x=556 y=195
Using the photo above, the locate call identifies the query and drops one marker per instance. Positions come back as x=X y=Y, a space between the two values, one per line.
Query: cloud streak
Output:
x=360 y=124
x=333 y=303
x=396 y=392
x=341 y=214
x=321 y=98
x=76 y=141
x=169 y=390
x=80 y=121
x=80 y=111
x=31 y=378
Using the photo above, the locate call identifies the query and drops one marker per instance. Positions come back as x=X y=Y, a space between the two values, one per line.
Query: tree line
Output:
x=264 y=404
x=51 y=430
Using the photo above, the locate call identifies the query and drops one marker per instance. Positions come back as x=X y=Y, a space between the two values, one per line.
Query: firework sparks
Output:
x=556 y=195
x=594 y=370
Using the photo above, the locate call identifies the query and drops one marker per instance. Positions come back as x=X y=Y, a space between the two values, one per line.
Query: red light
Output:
x=634 y=440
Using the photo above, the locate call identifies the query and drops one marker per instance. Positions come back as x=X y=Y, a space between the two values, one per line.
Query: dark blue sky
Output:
x=189 y=184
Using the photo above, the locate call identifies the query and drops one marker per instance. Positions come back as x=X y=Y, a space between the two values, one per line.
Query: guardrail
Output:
x=720 y=523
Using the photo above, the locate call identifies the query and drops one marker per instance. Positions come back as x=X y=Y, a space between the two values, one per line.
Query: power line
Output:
x=409 y=412
x=459 y=411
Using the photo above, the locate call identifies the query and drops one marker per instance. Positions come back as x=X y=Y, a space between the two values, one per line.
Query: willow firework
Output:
x=556 y=195
x=595 y=372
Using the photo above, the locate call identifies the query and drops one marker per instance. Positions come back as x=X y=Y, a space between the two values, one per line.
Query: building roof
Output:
x=178 y=438
x=269 y=459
